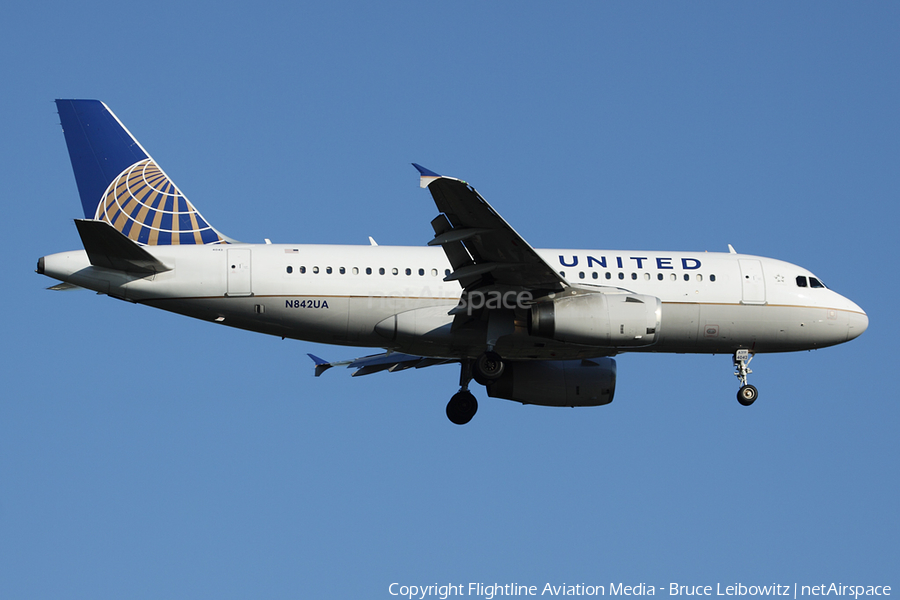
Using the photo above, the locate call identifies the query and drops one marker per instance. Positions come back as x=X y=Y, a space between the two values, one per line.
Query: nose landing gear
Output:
x=747 y=394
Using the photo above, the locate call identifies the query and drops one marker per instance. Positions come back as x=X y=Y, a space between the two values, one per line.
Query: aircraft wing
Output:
x=481 y=246
x=389 y=361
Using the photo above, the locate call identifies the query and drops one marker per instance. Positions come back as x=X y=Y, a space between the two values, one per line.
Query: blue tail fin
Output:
x=119 y=183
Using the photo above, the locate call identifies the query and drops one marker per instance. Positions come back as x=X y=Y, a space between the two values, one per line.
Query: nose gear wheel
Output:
x=747 y=394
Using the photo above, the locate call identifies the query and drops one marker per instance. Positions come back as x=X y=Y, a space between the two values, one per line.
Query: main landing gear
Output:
x=747 y=394
x=485 y=370
x=462 y=407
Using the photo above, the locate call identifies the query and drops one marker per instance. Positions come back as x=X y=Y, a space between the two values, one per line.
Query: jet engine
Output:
x=607 y=320
x=557 y=382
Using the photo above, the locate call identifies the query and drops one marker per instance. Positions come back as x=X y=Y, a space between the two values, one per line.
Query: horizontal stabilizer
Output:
x=64 y=287
x=109 y=248
x=389 y=361
x=322 y=365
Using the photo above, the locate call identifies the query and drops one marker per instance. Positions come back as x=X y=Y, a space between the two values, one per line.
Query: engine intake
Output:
x=607 y=320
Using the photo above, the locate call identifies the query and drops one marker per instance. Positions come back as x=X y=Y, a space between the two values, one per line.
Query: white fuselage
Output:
x=395 y=297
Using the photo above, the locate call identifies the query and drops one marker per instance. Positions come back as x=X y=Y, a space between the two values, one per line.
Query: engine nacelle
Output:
x=557 y=382
x=607 y=320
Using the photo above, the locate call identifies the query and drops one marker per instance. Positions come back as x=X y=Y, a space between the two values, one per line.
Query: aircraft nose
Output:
x=858 y=322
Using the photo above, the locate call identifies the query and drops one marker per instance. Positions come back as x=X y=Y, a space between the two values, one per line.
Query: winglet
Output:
x=426 y=176
x=322 y=365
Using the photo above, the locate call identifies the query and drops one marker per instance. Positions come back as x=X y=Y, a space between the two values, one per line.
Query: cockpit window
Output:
x=815 y=283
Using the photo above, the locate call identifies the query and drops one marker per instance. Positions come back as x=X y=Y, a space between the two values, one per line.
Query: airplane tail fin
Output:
x=121 y=184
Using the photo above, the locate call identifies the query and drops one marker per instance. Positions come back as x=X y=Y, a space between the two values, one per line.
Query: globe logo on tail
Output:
x=144 y=204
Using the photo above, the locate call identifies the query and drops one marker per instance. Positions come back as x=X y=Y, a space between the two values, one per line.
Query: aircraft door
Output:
x=754 y=285
x=239 y=272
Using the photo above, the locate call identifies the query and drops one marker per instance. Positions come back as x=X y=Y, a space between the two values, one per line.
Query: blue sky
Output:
x=146 y=455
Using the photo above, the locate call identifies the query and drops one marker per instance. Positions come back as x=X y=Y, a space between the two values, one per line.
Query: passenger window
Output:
x=356 y=270
x=646 y=276
x=815 y=283
x=595 y=275
x=368 y=270
x=634 y=275
x=381 y=270
x=394 y=271
x=801 y=281
x=434 y=272
x=315 y=269
x=659 y=276
x=673 y=277
x=409 y=271
x=699 y=277
x=608 y=275
x=343 y=270
x=328 y=270
x=446 y=272
x=421 y=272
x=712 y=278
x=290 y=270
x=302 y=270
x=581 y=275
x=687 y=277
x=621 y=275
x=562 y=273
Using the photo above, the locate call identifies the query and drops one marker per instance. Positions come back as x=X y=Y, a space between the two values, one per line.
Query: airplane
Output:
x=533 y=326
